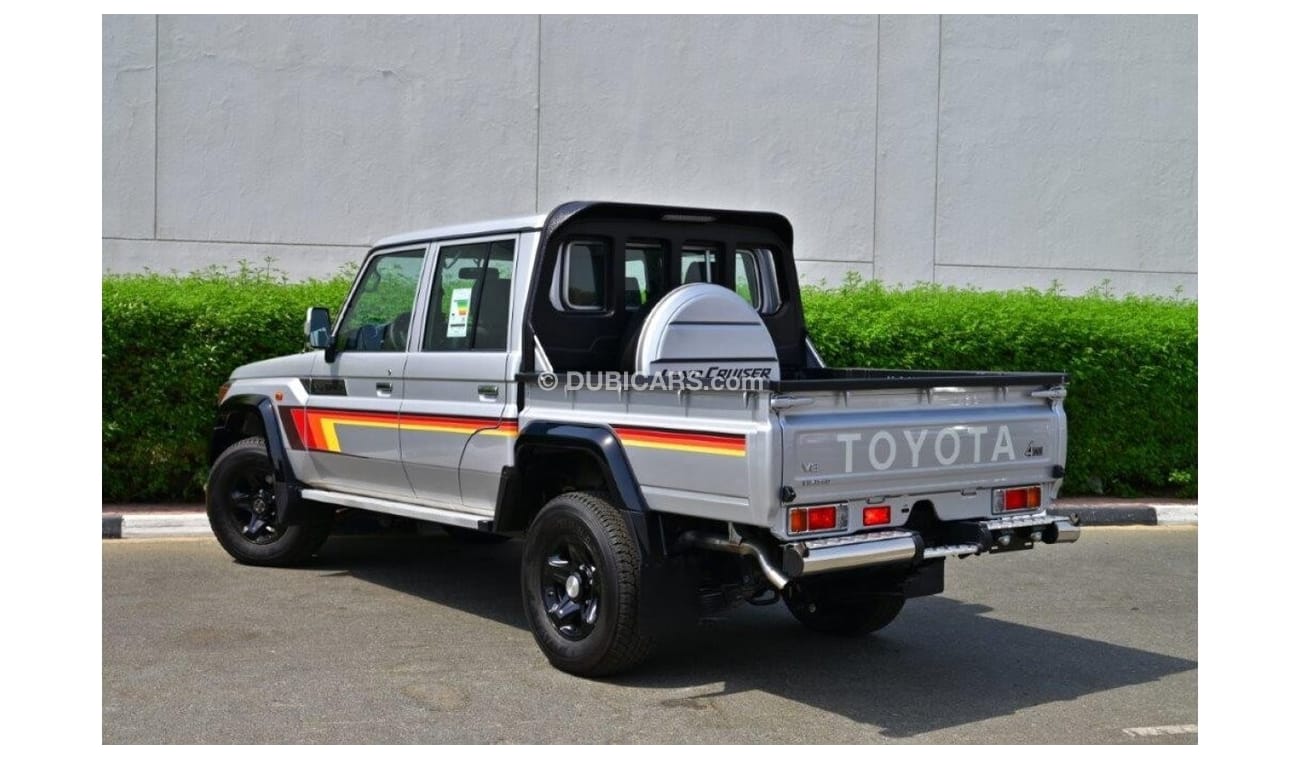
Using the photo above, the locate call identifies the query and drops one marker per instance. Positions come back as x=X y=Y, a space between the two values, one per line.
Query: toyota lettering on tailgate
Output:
x=966 y=444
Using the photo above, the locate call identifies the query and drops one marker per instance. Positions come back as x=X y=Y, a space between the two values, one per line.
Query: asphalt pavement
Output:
x=388 y=639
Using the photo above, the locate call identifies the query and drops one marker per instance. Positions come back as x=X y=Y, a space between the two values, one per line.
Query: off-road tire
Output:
x=844 y=618
x=292 y=545
x=589 y=525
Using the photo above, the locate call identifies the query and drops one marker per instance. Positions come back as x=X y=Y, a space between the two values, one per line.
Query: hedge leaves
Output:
x=170 y=341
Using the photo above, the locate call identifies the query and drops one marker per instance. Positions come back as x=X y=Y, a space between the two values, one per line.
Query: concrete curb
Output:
x=1129 y=514
x=140 y=524
x=156 y=525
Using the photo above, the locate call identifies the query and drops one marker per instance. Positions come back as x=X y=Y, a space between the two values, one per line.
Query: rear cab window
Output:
x=584 y=274
x=583 y=278
x=756 y=279
x=700 y=263
x=645 y=269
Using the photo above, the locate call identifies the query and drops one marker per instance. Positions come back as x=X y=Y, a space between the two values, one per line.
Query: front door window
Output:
x=379 y=316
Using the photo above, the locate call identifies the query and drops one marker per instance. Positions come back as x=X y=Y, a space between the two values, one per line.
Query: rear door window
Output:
x=469 y=303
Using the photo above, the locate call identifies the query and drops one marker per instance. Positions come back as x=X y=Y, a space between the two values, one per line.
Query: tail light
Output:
x=875 y=515
x=817 y=519
x=1011 y=499
x=221 y=393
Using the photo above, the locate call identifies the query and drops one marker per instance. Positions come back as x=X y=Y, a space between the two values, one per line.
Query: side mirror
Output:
x=317 y=328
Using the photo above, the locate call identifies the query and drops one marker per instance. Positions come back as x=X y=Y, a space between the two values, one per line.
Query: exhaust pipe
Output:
x=744 y=548
x=1062 y=530
x=819 y=555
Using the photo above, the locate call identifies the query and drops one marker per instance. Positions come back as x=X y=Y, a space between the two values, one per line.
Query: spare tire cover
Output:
x=702 y=326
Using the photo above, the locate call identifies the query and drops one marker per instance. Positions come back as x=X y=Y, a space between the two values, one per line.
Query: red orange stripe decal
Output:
x=318 y=428
x=721 y=444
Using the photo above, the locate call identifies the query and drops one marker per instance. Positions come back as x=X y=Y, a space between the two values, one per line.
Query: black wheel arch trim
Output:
x=667 y=591
x=288 y=489
x=596 y=441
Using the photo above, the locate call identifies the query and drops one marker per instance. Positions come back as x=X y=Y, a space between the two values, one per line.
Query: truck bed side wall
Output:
x=703 y=454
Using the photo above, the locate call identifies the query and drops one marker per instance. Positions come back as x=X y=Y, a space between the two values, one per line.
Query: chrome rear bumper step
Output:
x=824 y=555
x=952 y=550
x=897 y=546
x=1011 y=522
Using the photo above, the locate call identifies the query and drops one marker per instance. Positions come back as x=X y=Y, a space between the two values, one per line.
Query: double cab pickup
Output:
x=632 y=391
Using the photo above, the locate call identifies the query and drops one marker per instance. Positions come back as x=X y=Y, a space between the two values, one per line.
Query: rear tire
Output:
x=854 y=617
x=581 y=580
x=241 y=510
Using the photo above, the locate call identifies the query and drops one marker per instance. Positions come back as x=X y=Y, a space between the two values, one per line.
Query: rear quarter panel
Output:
x=699 y=453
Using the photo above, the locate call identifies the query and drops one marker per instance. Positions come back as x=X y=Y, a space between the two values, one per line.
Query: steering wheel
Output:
x=397 y=332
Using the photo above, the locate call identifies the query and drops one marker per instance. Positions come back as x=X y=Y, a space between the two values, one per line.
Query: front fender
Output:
x=230 y=428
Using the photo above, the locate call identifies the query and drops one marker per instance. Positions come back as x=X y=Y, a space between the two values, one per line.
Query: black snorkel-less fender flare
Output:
x=229 y=429
x=666 y=593
x=602 y=447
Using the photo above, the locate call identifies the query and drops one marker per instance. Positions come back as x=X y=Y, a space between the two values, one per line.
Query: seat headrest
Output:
x=631 y=292
x=694 y=273
x=474 y=273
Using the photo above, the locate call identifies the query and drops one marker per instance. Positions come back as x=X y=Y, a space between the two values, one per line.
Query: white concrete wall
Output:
x=997 y=152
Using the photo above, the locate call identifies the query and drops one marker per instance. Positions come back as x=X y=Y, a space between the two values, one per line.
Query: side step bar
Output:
x=401 y=509
x=825 y=555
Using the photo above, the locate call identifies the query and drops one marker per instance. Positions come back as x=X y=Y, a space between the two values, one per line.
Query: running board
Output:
x=401 y=509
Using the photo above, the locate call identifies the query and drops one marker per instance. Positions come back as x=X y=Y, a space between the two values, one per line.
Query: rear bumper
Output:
x=890 y=547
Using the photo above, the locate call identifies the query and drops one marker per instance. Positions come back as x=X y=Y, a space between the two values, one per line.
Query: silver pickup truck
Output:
x=631 y=389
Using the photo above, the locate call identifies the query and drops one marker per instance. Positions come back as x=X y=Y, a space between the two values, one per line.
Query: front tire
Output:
x=241 y=510
x=581 y=580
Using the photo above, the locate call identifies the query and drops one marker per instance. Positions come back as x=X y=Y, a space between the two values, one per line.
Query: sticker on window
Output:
x=458 y=316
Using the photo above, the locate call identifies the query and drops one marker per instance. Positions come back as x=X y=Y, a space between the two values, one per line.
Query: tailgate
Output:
x=840 y=445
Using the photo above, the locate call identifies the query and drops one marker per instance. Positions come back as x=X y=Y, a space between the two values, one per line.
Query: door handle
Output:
x=490 y=391
x=383 y=389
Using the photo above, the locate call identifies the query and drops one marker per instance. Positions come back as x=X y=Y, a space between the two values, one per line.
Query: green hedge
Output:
x=1132 y=365
x=170 y=341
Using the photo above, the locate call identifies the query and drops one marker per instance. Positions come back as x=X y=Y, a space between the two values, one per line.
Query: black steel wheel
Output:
x=242 y=510
x=571 y=589
x=250 y=493
x=581 y=575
